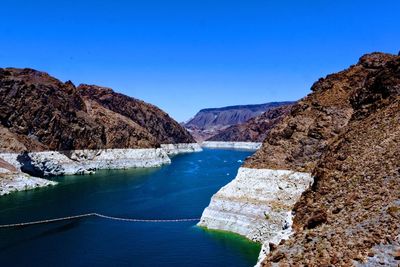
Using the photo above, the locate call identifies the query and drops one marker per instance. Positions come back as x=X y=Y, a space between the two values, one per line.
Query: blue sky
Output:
x=186 y=55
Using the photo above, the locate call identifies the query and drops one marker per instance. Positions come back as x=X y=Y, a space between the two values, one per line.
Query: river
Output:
x=180 y=190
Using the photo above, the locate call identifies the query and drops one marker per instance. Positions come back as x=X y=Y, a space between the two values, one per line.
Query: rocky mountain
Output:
x=159 y=124
x=209 y=122
x=39 y=112
x=347 y=134
x=255 y=129
x=299 y=141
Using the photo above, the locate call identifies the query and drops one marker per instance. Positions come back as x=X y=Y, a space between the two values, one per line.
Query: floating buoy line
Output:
x=99 y=216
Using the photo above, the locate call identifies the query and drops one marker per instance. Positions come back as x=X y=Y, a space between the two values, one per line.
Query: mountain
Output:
x=39 y=112
x=157 y=123
x=347 y=134
x=255 y=129
x=209 y=122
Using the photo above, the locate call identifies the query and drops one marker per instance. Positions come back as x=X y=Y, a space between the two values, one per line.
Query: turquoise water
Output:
x=180 y=190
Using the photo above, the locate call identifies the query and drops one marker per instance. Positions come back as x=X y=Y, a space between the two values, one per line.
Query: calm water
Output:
x=180 y=190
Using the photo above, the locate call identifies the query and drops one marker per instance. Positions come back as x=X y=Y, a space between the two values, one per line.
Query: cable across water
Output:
x=99 y=216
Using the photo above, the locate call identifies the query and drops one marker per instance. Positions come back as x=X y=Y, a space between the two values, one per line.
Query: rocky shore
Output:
x=12 y=182
x=49 y=128
x=174 y=149
x=12 y=179
x=257 y=204
x=54 y=163
x=231 y=145
x=27 y=167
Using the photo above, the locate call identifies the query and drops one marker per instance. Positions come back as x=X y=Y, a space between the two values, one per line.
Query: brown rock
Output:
x=347 y=134
x=158 y=123
x=41 y=112
x=299 y=141
x=38 y=112
x=317 y=218
x=396 y=254
x=222 y=121
x=5 y=165
x=255 y=129
x=277 y=257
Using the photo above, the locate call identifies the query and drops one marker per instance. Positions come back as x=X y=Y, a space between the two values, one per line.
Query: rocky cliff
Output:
x=302 y=137
x=351 y=214
x=156 y=122
x=52 y=128
x=255 y=129
x=346 y=135
x=38 y=112
x=209 y=122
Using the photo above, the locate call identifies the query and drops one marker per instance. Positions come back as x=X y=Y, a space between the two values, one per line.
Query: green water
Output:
x=180 y=190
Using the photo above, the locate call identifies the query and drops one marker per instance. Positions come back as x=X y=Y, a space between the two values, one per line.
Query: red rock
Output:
x=347 y=134
x=38 y=112
x=255 y=129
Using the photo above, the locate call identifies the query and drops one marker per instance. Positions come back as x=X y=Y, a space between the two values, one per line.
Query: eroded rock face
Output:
x=53 y=163
x=351 y=214
x=257 y=204
x=255 y=129
x=174 y=149
x=346 y=135
x=212 y=121
x=301 y=139
x=164 y=129
x=50 y=128
x=12 y=182
x=119 y=131
x=40 y=113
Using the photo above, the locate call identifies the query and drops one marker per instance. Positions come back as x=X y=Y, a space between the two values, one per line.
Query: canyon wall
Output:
x=50 y=128
x=255 y=129
x=257 y=204
x=345 y=135
x=40 y=113
x=212 y=121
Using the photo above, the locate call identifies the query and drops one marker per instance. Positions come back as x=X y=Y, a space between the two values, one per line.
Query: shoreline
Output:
x=181 y=148
x=29 y=166
x=14 y=182
x=231 y=145
x=257 y=204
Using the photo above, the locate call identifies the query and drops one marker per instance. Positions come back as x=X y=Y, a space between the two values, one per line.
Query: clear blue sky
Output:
x=188 y=55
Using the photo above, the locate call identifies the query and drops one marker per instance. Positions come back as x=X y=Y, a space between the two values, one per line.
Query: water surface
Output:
x=180 y=190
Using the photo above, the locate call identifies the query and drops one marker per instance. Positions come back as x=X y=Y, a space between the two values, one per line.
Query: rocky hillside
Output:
x=347 y=134
x=38 y=112
x=299 y=141
x=156 y=122
x=255 y=129
x=209 y=122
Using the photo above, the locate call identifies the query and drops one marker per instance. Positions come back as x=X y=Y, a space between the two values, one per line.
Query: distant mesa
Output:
x=255 y=129
x=210 y=122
